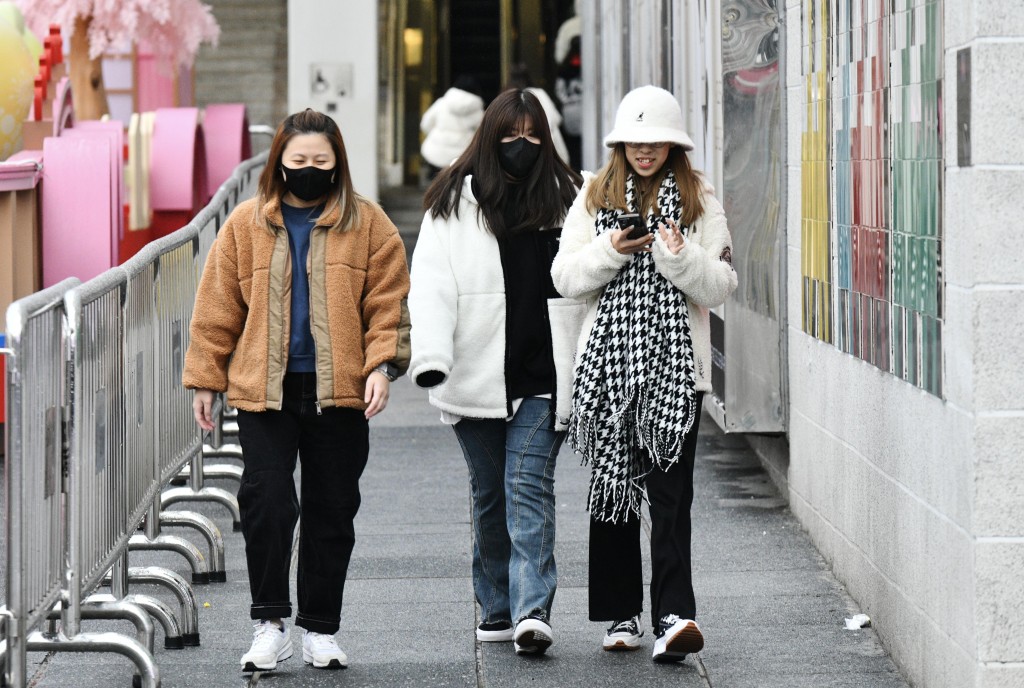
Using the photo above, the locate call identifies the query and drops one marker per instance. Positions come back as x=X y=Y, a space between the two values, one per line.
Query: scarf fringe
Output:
x=611 y=501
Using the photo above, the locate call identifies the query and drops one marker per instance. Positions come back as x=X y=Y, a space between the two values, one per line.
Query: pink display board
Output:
x=114 y=133
x=78 y=239
x=226 y=136
x=177 y=169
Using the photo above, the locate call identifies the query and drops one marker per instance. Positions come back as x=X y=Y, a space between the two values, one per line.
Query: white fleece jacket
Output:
x=585 y=263
x=457 y=307
x=449 y=125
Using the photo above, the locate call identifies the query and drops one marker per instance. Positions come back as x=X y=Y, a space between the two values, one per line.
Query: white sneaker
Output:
x=624 y=635
x=270 y=644
x=322 y=651
x=676 y=639
x=532 y=636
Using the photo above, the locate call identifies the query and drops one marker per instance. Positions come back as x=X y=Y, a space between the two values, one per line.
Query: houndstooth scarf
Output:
x=634 y=399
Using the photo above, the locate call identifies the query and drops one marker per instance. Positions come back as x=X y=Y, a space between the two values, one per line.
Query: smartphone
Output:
x=636 y=222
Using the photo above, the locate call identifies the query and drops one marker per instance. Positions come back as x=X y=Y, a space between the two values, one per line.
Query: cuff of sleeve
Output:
x=440 y=368
x=615 y=259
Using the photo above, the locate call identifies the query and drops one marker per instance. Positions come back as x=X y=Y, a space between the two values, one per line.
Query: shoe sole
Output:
x=307 y=657
x=533 y=643
x=688 y=640
x=495 y=636
x=619 y=645
x=284 y=654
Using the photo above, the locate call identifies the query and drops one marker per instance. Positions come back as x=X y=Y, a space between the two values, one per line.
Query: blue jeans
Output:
x=512 y=479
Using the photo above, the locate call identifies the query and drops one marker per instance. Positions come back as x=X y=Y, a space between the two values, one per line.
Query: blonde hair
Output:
x=608 y=190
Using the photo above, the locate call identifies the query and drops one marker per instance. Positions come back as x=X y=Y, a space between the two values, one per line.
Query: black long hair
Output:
x=540 y=199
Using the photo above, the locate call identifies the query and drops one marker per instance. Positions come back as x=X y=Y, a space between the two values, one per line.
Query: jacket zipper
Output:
x=309 y=282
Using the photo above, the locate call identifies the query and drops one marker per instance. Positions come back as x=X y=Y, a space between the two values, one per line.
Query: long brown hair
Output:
x=550 y=186
x=608 y=189
x=271 y=185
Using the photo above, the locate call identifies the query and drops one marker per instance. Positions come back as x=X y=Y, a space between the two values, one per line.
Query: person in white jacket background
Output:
x=493 y=341
x=647 y=247
x=450 y=122
x=520 y=78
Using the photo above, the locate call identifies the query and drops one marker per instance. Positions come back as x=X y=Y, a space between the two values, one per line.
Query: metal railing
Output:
x=97 y=418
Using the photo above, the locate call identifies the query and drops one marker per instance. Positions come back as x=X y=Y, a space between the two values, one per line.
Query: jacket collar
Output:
x=467 y=190
x=272 y=211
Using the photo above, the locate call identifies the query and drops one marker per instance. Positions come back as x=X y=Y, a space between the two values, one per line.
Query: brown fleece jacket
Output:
x=358 y=284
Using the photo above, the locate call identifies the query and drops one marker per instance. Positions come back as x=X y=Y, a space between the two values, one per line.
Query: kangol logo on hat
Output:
x=660 y=119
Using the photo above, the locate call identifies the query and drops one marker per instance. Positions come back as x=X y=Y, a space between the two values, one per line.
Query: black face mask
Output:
x=308 y=183
x=517 y=157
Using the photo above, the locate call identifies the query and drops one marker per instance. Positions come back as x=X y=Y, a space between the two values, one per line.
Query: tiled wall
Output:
x=871 y=179
x=816 y=260
x=915 y=131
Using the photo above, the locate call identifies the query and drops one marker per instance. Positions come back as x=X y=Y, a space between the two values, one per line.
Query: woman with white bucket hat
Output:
x=647 y=246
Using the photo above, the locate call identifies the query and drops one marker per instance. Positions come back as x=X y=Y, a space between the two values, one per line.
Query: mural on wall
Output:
x=882 y=239
x=816 y=258
x=752 y=154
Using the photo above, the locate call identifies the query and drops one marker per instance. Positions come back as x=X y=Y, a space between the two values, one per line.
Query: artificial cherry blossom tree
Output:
x=173 y=28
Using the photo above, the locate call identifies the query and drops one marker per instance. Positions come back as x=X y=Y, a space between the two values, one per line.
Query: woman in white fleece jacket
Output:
x=646 y=245
x=493 y=343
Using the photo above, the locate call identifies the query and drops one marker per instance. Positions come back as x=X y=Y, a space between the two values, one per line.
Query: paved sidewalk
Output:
x=771 y=612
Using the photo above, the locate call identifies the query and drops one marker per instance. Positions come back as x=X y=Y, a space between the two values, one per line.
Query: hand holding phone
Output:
x=634 y=220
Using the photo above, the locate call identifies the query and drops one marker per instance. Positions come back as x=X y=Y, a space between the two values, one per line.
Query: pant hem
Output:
x=270 y=611
x=317 y=625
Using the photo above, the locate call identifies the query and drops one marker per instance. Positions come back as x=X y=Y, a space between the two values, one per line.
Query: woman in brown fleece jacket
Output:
x=301 y=318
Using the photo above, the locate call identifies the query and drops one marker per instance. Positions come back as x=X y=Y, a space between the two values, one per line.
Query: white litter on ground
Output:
x=857 y=622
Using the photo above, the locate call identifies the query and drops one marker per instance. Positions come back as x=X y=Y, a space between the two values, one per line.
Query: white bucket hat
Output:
x=648 y=115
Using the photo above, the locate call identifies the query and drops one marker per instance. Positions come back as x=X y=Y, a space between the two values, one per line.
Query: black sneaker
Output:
x=676 y=638
x=624 y=635
x=494 y=632
x=533 y=635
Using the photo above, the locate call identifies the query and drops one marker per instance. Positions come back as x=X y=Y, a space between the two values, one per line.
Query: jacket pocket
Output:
x=566 y=317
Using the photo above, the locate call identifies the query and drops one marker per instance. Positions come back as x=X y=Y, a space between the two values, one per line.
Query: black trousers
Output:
x=333 y=448
x=616 y=571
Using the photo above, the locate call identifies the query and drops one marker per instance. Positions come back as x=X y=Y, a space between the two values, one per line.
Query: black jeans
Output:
x=333 y=448
x=616 y=572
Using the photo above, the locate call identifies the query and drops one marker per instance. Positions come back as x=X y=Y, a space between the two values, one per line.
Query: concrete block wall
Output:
x=917 y=501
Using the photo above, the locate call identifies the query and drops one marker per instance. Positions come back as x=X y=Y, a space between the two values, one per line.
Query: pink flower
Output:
x=174 y=29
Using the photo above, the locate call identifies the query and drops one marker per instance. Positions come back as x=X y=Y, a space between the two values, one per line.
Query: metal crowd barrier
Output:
x=34 y=413
x=97 y=425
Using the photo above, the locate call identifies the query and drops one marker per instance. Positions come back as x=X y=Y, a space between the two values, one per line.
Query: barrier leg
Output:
x=103 y=606
x=206 y=494
x=209 y=530
x=149 y=673
x=200 y=567
x=224 y=451
x=181 y=589
x=160 y=611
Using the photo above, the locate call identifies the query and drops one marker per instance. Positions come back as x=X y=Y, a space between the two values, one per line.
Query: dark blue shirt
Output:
x=300 y=222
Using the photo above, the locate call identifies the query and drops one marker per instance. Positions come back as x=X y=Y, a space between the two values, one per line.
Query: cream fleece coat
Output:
x=457 y=307
x=702 y=270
